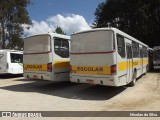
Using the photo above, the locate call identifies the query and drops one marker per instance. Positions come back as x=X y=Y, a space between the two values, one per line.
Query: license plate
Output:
x=90 y=81
x=35 y=76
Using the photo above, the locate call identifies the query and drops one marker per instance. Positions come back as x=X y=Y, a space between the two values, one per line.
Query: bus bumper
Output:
x=97 y=79
x=38 y=76
x=47 y=76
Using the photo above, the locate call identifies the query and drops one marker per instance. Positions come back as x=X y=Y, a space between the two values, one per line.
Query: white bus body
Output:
x=46 y=57
x=107 y=56
x=11 y=62
x=156 y=58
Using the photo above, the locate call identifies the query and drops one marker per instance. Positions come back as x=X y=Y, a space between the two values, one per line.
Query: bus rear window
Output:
x=16 y=58
x=94 y=41
x=37 y=44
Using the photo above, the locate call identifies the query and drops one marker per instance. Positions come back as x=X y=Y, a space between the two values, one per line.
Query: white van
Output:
x=11 y=61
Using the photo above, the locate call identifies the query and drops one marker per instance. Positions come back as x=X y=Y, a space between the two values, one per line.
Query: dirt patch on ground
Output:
x=144 y=96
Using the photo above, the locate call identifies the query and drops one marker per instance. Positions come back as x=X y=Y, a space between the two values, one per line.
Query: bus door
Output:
x=129 y=62
x=141 y=59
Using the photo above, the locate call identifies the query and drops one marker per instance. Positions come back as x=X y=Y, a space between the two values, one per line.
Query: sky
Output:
x=70 y=15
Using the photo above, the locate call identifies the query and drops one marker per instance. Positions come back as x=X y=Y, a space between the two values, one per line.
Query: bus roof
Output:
x=51 y=34
x=112 y=29
x=151 y=49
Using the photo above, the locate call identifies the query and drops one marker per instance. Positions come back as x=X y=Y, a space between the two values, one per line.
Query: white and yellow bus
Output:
x=156 y=58
x=107 y=56
x=46 y=57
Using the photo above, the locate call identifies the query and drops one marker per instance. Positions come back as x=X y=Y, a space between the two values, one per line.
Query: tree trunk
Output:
x=3 y=32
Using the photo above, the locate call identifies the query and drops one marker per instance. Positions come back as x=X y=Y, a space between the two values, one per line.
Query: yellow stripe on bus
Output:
x=145 y=61
x=122 y=66
x=94 y=70
x=61 y=64
x=106 y=70
x=43 y=67
x=99 y=70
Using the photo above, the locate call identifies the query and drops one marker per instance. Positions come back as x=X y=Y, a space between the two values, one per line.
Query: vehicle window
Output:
x=37 y=44
x=129 y=52
x=141 y=53
x=135 y=47
x=145 y=53
x=93 y=41
x=16 y=58
x=121 y=46
x=61 y=47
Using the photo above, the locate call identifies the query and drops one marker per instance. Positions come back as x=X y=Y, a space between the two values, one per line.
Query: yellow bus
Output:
x=107 y=56
x=46 y=57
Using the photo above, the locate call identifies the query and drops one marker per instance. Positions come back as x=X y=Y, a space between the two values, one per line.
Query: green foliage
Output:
x=60 y=31
x=138 y=18
x=13 y=14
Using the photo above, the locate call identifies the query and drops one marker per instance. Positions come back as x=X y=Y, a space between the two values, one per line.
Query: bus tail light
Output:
x=113 y=69
x=49 y=67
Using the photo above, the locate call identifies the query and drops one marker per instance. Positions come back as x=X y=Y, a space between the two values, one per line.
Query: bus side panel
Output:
x=61 y=64
x=123 y=65
x=61 y=69
x=145 y=64
x=121 y=72
x=137 y=65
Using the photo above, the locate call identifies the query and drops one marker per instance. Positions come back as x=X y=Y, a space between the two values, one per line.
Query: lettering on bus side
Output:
x=34 y=66
x=95 y=69
x=135 y=63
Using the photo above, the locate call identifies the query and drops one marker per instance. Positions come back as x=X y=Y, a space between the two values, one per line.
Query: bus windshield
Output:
x=37 y=44
x=93 y=41
x=16 y=58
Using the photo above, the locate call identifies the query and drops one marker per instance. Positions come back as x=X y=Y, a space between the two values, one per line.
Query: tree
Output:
x=13 y=14
x=138 y=18
x=60 y=31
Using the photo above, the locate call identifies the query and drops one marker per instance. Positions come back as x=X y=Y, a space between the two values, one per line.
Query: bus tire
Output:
x=133 y=82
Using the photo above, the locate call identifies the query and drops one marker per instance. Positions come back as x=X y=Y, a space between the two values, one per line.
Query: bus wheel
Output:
x=133 y=82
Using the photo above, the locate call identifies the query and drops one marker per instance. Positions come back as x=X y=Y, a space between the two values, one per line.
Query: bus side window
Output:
x=141 y=53
x=135 y=47
x=57 y=46
x=61 y=47
x=145 y=53
x=121 y=46
x=16 y=58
